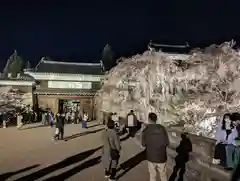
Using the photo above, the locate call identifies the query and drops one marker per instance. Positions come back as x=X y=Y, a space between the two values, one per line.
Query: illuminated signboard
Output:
x=69 y=85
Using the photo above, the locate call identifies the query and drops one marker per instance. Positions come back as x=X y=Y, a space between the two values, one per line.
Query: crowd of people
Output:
x=227 y=150
x=24 y=114
x=156 y=154
x=62 y=118
x=227 y=135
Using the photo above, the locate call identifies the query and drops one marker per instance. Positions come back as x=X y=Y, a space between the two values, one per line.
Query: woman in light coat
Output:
x=111 y=150
x=225 y=136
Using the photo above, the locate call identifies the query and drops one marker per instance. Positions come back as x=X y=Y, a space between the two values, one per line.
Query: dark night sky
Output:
x=79 y=31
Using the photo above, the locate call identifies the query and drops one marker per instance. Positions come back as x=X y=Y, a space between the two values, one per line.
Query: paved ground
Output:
x=78 y=158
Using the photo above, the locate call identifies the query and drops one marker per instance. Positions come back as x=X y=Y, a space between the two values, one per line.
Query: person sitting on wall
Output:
x=226 y=134
x=219 y=152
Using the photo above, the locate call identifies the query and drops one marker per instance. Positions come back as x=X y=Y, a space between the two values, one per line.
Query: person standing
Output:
x=67 y=119
x=59 y=126
x=72 y=117
x=44 y=117
x=5 y=119
x=50 y=118
x=183 y=150
x=1 y=118
x=111 y=150
x=19 y=120
x=77 y=117
x=84 y=120
x=132 y=123
x=155 y=140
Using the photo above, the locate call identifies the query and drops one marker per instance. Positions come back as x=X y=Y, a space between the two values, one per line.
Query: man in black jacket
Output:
x=155 y=139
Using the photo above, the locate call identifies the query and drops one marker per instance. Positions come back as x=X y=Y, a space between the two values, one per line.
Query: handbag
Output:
x=114 y=153
x=57 y=131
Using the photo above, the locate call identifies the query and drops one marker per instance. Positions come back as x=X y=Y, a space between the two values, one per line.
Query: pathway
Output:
x=77 y=158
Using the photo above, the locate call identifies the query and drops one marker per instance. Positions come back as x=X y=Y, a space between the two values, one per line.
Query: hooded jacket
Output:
x=155 y=139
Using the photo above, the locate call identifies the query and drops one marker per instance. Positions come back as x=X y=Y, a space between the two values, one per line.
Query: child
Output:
x=183 y=150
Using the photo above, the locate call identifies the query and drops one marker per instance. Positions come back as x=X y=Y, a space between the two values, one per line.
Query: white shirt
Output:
x=85 y=117
x=130 y=120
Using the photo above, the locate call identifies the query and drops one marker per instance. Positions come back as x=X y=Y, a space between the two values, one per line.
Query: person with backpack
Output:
x=131 y=123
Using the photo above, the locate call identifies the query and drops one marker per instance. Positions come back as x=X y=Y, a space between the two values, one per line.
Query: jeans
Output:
x=220 y=153
x=84 y=124
x=61 y=132
x=131 y=131
x=230 y=149
x=236 y=156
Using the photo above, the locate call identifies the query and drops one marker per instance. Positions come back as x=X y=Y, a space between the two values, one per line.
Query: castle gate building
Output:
x=60 y=84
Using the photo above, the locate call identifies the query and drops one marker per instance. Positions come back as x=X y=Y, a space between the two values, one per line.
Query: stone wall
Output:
x=199 y=167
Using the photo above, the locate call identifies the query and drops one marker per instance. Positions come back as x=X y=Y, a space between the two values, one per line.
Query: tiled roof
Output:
x=47 y=66
x=52 y=91
x=22 y=77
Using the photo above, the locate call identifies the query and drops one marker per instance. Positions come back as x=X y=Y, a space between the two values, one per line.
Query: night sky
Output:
x=78 y=31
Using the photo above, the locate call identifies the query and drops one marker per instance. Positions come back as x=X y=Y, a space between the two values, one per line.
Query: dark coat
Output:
x=60 y=121
x=5 y=117
x=183 y=150
x=155 y=139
